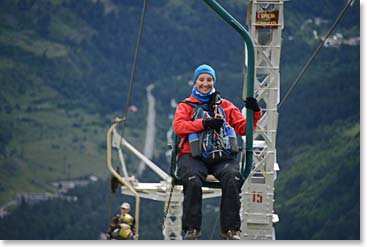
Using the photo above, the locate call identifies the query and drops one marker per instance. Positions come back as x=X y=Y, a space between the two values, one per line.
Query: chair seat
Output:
x=210 y=182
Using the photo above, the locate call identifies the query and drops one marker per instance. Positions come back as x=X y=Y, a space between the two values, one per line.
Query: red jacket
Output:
x=183 y=124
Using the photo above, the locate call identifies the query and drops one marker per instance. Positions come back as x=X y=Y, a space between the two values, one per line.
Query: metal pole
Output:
x=250 y=77
x=147 y=161
x=122 y=180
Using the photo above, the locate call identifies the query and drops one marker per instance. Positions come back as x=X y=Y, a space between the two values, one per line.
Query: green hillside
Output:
x=64 y=73
x=320 y=187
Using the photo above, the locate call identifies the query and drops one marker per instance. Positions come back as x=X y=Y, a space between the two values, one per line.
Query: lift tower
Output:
x=265 y=23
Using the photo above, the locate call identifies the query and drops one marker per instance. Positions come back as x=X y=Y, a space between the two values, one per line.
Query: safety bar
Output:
x=122 y=180
x=147 y=161
x=250 y=77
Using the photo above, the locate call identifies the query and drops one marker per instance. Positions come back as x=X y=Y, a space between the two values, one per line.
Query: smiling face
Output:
x=204 y=83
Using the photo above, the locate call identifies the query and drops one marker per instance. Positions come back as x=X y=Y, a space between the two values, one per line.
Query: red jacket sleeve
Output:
x=236 y=119
x=182 y=123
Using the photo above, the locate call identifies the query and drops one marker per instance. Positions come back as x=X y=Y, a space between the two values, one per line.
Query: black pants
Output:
x=193 y=173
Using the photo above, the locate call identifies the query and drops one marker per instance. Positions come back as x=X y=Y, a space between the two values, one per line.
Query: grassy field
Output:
x=49 y=143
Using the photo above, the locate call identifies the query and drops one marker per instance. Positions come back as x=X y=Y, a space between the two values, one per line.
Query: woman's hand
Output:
x=251 y=103
x=213 y=123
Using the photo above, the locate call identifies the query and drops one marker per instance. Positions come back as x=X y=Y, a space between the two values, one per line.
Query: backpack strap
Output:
x=194 y=104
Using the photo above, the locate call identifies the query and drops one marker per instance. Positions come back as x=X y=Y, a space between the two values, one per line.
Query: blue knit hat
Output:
x=204 y=69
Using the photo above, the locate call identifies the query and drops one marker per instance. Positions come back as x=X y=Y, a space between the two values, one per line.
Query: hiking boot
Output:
x=192 y=234
x=231 y=235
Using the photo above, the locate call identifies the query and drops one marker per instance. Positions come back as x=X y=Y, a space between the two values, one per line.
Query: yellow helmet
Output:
x=127 y=219
x=125 y=233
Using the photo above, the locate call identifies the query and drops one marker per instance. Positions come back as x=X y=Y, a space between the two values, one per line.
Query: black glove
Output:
x=251 y=103
x=213 y=123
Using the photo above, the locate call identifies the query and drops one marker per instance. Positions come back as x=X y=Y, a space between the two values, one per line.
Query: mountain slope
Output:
x=318 y=194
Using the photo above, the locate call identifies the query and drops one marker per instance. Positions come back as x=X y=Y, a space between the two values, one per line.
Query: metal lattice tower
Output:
x=173 y=221
x=265 y=22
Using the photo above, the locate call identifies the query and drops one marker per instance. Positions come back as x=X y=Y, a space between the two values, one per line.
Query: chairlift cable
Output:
x=132 y=75
x=316 y=52
x=133 y=69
